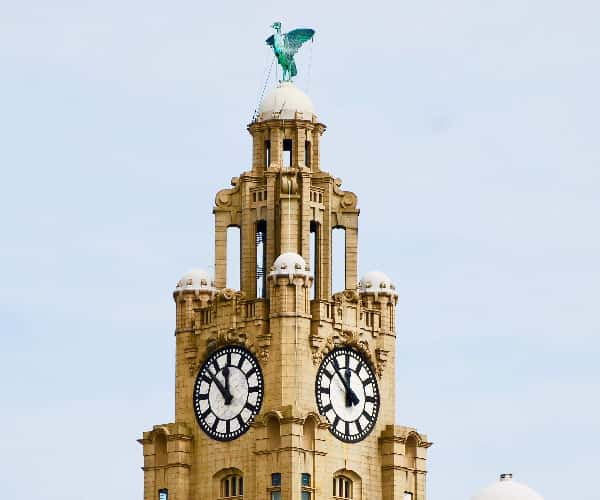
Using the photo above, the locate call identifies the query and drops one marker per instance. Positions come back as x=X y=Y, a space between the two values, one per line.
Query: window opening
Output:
x=163 y=494
x=306 y=484
x=267 y=153
x=232 y=487
x=275 y=486
x=287 y=153
x=408 y=495
x=307 y=155
x=338 y=259
x=342 y=488
x=233 y=257
x=261 y=258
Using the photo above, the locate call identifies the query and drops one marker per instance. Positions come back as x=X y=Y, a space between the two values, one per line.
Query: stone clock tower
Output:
x=285 y=388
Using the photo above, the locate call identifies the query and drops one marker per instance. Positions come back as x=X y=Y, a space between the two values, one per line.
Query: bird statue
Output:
x=285 y=45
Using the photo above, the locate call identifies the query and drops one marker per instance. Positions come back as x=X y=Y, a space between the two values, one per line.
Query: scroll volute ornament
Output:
x=289 y=183
x=224 y=197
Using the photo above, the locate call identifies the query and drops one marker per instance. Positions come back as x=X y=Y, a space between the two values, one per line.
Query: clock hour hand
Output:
x=224 y=389
x=351 y=397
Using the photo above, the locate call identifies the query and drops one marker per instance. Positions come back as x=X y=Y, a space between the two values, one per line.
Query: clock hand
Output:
x=350 y=394
x=224 y=391
x=226 y=376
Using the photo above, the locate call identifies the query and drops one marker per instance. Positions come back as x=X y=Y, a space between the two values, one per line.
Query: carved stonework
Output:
x=224 y=196
x=264 y=342
x=226 y=337
x=322 y=346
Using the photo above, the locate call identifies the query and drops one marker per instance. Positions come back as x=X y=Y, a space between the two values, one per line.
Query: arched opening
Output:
x=314 y=245
x=267 y=153
x=347 y=484
x=233 y=257
x=287 y=153
x=229 y=484
x=307 y=153
x=273 y=434
x=338 y=259
x=261 y=258
x=410 y=452
x=160 y=449
x=308 y=434
x=163 y=494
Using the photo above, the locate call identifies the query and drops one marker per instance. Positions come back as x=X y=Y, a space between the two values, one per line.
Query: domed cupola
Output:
x=286 y=102
x=290 y=265
x=196 y=280
x=377 y=283
x=507 y=489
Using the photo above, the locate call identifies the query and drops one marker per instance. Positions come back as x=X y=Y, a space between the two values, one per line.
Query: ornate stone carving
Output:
x=348 y=198
x=226 y=337
x=224 y=196
x=289 y=183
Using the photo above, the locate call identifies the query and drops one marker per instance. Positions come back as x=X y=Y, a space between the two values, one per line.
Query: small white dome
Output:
x=377 y=282
x=284 y=102
x=290 y=264
x=507 y=489
x=196 y=279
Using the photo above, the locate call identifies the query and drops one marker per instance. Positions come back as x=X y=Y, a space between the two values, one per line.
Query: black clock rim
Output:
x=248 y=424
x=376 y=414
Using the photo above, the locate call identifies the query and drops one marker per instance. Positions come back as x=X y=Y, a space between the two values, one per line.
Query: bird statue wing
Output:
x=271 y=41
x=295 y=38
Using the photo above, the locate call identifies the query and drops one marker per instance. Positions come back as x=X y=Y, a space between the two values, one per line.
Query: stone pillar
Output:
x=351 y=257
x=220 y=250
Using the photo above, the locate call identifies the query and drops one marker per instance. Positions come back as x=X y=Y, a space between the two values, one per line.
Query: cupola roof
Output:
x=507 y=489
x=286 y=102
x=196 y=279
x=376 y=282
x=290 y=264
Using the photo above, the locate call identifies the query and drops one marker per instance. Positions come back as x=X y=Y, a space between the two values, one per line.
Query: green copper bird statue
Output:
x=285 y=45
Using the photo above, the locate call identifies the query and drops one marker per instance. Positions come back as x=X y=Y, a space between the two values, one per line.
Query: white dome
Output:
x=196 y=279
x=286 y=102
x=377 y=282
x=290 y=264
x=507 y=489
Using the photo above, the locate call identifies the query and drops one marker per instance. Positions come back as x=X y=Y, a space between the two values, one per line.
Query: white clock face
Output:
x=347 y=394
x=228 y=393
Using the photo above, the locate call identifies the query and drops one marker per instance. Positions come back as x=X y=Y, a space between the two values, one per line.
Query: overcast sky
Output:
x=469 y=131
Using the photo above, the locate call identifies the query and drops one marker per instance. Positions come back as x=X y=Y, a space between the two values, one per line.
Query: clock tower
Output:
x=285 y=388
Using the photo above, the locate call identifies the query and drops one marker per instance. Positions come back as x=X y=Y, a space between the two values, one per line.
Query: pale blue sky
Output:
x=469 y=131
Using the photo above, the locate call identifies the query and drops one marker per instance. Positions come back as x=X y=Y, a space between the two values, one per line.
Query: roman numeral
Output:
x=324 y=390
x=250 y=407
x=370 y=399
x=203 y=396
x=214 y=425
x=254 y=388
x=240 y=362
x=206 y=379
x=335 y=421
x=251 y=372
x=347 y=360
x=366 y=415
x=228 y=359
x=367 y=381
x=327 y=408
x=227 y=426
x=327 y=373
x=358 y=426
x=216 y=366
x=205 y=414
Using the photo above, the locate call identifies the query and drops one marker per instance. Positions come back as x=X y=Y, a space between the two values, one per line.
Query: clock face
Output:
x=347 y=394
x=228 y=393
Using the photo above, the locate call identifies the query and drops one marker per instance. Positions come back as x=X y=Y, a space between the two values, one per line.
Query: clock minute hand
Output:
x=224 y=390
x=351 y=396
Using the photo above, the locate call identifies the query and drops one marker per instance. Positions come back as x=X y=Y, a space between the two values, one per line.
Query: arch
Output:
x=309 y=433
x=228 y=484
x=233 y=257
x=273 y=433
x=347 y=484
x=338 y=258
x=410 y=451
x=160 y=448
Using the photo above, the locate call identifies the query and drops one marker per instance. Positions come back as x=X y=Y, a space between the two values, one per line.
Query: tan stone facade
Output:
x=283 y=207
